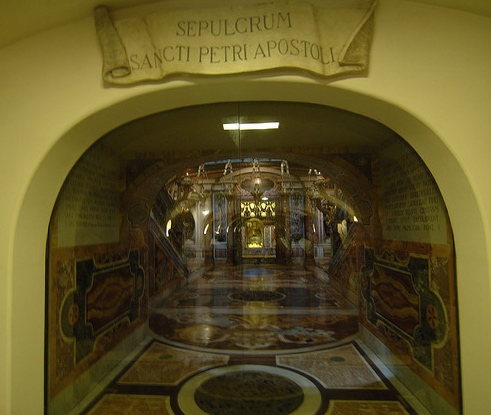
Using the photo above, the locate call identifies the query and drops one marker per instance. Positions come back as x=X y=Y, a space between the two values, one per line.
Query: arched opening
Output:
x=351 y=211
x=28 y=260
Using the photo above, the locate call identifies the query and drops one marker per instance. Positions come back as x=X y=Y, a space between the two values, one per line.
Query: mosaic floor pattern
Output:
x=166 y=380
x=252 y=341
x=255 y=309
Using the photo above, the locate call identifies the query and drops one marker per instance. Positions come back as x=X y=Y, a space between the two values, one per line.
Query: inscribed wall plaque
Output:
x=412 y=206
x=325 y=38
x=89 y=203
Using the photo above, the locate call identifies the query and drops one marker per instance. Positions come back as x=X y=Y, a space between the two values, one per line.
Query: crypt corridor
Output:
x=255 y=323
x=304 y=270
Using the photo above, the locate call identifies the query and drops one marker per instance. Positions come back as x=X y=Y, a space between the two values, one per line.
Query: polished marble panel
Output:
x=366 y=408
x=306 y=334
x=340 y=368
x=118 y=404
x=165 y=365
x=255 y=309
x=243 y=395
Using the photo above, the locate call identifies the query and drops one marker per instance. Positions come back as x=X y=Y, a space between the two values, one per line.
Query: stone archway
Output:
x=30 y=231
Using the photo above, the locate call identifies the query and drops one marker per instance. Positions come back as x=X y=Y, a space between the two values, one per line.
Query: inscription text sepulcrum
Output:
x=322 y=38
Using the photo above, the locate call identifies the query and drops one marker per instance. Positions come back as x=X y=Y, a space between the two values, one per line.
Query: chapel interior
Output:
x=307 y=269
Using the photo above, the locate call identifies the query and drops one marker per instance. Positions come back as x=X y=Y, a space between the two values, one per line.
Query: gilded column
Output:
x=283 y=233
x=309 y=233
x=230 y=228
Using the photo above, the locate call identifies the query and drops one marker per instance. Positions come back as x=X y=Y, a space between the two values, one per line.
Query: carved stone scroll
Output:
x=324 y=38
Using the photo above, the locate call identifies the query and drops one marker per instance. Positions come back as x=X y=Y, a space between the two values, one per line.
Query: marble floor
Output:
x=254 y=340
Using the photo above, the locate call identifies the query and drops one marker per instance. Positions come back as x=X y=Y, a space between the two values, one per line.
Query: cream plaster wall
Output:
x=429 y=81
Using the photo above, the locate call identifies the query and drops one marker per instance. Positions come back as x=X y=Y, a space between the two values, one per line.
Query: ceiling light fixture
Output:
x=272 y=125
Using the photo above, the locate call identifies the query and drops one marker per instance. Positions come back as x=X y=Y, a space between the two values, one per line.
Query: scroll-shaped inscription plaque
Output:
x=324 y=38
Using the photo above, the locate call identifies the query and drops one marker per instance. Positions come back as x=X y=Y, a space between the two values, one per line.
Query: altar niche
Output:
x=258 y=241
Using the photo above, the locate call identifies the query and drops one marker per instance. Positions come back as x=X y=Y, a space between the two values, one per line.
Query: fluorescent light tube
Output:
x=251 y=126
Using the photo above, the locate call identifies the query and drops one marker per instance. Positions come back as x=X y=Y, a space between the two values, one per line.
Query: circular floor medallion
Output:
x=249 y=390
x=256 y=295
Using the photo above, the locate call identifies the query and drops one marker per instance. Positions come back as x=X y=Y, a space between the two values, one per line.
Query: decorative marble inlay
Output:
x=275 y=333
x=249 y=392
x=400 y=297
x=106 y=298
x=339 y=368
x=165 y=365
x=117 y=404
x=366 y=408
x=257 y=309
x=256 y=295
x=395 y=297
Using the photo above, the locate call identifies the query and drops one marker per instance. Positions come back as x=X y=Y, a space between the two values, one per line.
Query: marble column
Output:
x=309 y=233
x=231 y=216
x=283 y=233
